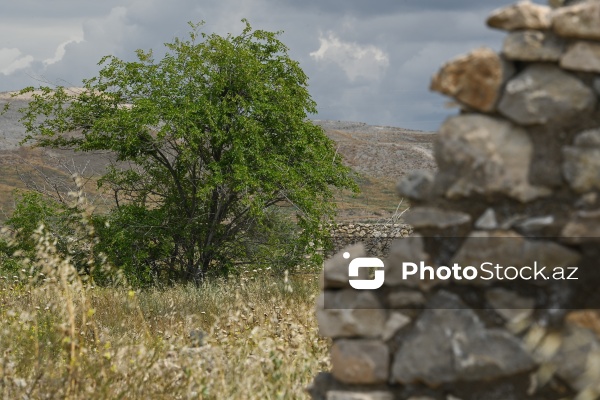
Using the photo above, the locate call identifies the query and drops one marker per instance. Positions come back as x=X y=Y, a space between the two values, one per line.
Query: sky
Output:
x=367 y=60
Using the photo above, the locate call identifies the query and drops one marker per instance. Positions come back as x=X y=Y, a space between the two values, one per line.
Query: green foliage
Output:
x=36 y=216
x=217 y=137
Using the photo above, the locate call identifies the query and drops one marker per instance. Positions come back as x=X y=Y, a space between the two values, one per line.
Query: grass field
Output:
x=249 y=337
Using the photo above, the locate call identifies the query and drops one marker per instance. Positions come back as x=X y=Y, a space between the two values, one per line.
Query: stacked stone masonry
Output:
x=376 y=236
x=518 y=179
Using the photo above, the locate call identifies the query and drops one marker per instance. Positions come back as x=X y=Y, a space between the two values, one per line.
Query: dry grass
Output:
x=64 y=339
x=61 y=336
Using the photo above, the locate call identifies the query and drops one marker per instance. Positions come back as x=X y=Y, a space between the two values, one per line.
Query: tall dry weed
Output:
x=63 y=336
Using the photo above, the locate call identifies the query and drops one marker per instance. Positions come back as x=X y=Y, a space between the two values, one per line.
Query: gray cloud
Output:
x=375 y=67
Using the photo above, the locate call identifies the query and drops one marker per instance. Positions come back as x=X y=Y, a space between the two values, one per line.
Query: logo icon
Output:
x=365 y=262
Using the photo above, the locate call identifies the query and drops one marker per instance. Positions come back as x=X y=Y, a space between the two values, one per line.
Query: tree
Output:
x=216 y=137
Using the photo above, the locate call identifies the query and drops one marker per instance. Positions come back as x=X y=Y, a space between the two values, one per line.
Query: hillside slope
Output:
x=380 y=156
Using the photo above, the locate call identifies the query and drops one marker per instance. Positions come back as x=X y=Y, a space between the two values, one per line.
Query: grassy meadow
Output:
x=249 y=337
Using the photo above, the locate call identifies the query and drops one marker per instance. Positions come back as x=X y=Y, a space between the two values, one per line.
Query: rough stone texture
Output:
x=508 y=248
x=582 y=56
x=583 y=227
x=474 y=79
x=518 y=185
x=487 y=220
x=406 y=250
x=512 y=307
x=406 y=299
x=431 y=217
x=350 y=313
x=344 y=395
x=581 y=167
x=360 y=361
x=395 y=322
x=578 y=21
x=544 y=93
x=578 y=359
x=484 y=155
x=376 y=237
x=533 y=45
x=522 y=15
x=416 y=185
x=335 y=269
x=451 y=344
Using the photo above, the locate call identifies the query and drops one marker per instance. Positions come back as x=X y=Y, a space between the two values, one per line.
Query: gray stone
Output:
x=582 y=56
x=588 y=138
x=535 y=223
x=395 y=322
x=543 y=93
x=578 y=21
x=507 y=248
x=578 y=359
x=409 y=249
x=474 y=79
x=416 y=185
x=346 y=395
x=350 y=313
x=581 y=167
x=432 y=217
x=522 y=15
x=406 y=299
x=487 y=220
x=478 y=154
x=335 y=269
x=533 y=45
x=512 y=307
x=360 y=361
x=450 y=343
x=583 y=227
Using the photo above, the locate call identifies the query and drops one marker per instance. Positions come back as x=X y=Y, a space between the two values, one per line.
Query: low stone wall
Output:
x=376 y=237
x=518 y=181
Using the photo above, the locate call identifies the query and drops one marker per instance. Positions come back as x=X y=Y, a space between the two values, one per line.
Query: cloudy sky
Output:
x=367 y=60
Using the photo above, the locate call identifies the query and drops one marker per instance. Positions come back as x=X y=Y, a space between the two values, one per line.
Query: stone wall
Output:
x=376 y=237
x=518 y=181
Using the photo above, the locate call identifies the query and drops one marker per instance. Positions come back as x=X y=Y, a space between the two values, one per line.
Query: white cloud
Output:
x=12 y=60
x=60 y=51
x=364 y=61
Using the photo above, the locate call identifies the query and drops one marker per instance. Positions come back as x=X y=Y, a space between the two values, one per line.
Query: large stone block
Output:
x=508 y=248
x=484 y=155
x=531 y=45
x=543 y=93
x=350 y=313
x=582 y=56
x=450 y=343
x=432 y=217
x=578 y=21
x=410 y=249
x=474 y=79
x=360 y=361
x=522 y=15
x=416 y=185
x=581 y=166
x=335 y=269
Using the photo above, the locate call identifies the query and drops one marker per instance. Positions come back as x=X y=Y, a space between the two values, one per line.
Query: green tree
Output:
x=216 y=136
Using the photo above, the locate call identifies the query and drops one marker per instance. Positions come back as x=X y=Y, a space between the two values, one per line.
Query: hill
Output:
x=379 y=154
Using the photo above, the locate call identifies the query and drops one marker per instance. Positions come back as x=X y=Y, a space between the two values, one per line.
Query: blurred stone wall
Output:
x=376 y=237
x=518 y=180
